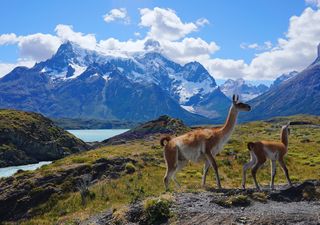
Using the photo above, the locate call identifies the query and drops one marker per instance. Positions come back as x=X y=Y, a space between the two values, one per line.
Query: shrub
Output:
x=259 y=196
x=83 y=187
x=239 y=200
x=130 y=168
x=157 y=210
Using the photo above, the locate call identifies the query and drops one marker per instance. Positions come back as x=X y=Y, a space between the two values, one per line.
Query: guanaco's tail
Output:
x=162 y=140
x=250 y=146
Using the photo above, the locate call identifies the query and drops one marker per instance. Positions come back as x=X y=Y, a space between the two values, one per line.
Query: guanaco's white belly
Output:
x=192 y=153
x=273 y=155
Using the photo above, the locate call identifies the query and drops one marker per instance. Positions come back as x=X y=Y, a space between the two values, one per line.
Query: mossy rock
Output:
x=234 y=201
x=130 y=168
x=157 y=210
x=259 y=196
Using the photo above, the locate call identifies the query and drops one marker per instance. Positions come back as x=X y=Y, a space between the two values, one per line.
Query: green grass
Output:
x=303 y=161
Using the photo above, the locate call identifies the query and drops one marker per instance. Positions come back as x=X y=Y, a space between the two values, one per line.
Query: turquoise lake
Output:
x=96 y=135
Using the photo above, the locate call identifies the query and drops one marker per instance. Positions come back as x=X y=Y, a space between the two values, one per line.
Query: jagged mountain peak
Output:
x=152 y=45
x=195 y=66
x=73 y=53
x=241 y=87
x=195 y=72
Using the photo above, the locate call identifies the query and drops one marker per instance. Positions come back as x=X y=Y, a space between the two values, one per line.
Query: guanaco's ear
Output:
x=234 y=98
x=288 y=123
x=237 y=98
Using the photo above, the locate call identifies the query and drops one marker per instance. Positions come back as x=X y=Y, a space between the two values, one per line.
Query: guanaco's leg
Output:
x=170 y=156
x=180 y=165
x=285 y=170
x=246 y=167
x=254 y=173
x=244 y=171
x=205 y=172
x=214 y=165
x=273 y=173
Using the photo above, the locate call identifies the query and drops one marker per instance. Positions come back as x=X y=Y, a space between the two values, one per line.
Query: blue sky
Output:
x=231 y=36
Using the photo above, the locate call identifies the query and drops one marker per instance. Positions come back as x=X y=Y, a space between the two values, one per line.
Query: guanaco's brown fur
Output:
x=261 y=151
x=200 y=144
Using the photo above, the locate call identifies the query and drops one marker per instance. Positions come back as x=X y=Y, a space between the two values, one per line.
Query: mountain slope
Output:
x=282 y=78
x=300 y=94
x=79 y=83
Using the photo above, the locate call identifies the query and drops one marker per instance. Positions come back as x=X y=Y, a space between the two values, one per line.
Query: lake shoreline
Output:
x=11 y=170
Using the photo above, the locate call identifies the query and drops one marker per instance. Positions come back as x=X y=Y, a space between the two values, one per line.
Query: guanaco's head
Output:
x=286 y=128
x=240 y=106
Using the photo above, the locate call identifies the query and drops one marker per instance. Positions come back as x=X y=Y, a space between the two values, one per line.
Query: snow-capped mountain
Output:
x=282 y=78
x=240 y=87
x=76 y=82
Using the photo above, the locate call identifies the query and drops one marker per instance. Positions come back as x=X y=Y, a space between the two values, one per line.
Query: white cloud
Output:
x=294 y=52
x=8 y=39
x=265 y=46
x=38 y=47
x=313 y=2
x=226 y=68
x=202 y=21
x=32 y=47
x=114 y=45
x=165 y=24
x=189 y=49
x=116 y=14
x=65 y=32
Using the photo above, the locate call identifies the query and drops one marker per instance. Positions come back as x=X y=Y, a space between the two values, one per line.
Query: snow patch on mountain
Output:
x=244 y=90
x=283 y=78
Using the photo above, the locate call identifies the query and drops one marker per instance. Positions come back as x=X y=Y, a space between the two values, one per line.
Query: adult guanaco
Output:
x=261 y=151
x=200 y=144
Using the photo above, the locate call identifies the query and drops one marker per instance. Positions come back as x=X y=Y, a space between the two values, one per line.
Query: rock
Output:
x=304 y=191
x=100 y=219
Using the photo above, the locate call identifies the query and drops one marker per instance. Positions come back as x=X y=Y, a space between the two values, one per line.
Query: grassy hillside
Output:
x=27 y=137
x=303 y=161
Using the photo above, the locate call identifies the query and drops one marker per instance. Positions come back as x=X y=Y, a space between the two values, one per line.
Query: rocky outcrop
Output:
x=163 y=125
x=30 y=137
x=22 y=193
x=295 y=205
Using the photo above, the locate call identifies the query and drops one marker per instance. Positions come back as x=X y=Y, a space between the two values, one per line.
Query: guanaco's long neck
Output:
x=230 y=121
x=284 y=136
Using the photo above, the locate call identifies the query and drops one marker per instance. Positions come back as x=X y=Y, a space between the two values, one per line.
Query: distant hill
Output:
x=162 y=125
x=30 y=137
x=297 y=95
